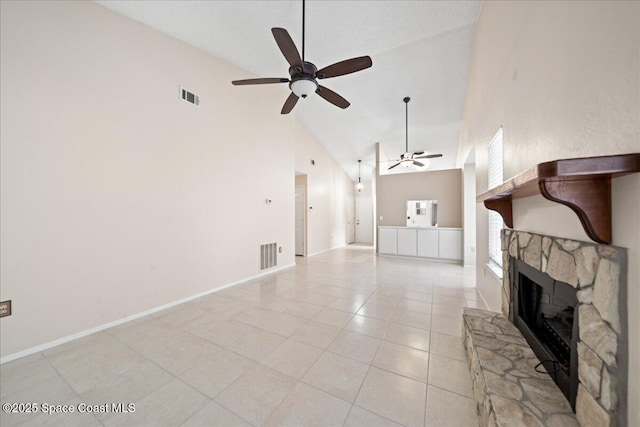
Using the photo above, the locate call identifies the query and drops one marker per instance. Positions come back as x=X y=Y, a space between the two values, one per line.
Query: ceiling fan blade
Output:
x=289 y=103
x=259 y=81
x=347 y=66
x=427 y=156
x=416 y=163
x=332 y=97
x=394 y=165
x=287 y=47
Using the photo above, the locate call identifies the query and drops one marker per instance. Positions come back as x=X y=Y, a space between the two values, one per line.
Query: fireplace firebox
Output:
x=544 y=310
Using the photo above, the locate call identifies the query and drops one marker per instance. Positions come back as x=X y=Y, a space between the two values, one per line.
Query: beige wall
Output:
x=393 y=191
x=562 y=78
x=116 y=196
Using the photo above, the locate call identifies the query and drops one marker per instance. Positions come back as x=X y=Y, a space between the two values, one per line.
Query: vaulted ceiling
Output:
x=420 y=49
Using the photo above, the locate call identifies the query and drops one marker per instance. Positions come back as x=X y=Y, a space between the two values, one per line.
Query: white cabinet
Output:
x=388 y=241
x=450 y=246
x=432 y=243
x=428 y=243
x=407 y=241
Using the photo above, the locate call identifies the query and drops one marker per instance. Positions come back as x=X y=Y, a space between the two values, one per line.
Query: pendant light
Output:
x=359 y=185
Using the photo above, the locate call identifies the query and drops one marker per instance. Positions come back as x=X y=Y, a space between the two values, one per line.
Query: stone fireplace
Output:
x=579 y=286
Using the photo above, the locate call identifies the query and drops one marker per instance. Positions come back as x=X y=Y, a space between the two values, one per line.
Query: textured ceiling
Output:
x=420 y=49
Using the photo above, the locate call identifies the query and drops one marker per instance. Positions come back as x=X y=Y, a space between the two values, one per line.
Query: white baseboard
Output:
x=482 y=298
x=102 y=327
x=326 y=250
x=415 y=258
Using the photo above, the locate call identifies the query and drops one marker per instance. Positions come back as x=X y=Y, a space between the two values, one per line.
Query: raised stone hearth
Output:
x=508 y=389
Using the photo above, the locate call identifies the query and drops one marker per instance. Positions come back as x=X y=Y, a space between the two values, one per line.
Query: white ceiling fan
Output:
x=408 y=158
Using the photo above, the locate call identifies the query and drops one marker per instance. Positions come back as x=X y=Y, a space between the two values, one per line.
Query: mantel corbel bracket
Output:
x=589 y=199
x=503 y=207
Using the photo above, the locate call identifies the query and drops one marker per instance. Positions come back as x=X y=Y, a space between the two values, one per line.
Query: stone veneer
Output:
x=508 y=389
x=598 y=272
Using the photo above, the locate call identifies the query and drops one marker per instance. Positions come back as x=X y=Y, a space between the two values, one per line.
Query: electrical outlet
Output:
x=5 y=308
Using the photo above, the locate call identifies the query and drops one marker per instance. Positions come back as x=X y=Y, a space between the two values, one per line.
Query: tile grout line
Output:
x=175 y=377
x=426 y=392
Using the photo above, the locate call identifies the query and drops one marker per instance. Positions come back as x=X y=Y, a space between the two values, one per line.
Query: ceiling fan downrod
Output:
x=303 y=2
x=406 y=124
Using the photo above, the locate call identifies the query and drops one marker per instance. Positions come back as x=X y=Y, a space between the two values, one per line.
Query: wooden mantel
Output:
x=582 y=184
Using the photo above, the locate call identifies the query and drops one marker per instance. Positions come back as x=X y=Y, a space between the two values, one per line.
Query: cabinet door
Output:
x=388 y=241
x=407 y=242
x=450 y=244
x=428 y=243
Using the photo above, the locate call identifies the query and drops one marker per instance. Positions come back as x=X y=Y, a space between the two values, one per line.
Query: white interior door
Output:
x=351 y=220
x=300 y=210
x=364 y=219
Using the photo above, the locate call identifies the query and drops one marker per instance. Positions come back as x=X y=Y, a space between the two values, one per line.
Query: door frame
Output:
x=350 y=200
x=303 y=187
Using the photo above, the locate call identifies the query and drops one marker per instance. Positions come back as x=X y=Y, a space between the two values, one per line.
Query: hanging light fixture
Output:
x=407 y=157
x=359 y=185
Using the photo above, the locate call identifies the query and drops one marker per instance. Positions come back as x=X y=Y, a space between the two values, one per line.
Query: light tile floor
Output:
x=345 y=338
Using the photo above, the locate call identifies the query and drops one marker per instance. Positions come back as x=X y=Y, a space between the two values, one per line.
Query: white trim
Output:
x=495 y=269
x=420 y=258
x=326 y=250
x=102 y=327
x=482 y=298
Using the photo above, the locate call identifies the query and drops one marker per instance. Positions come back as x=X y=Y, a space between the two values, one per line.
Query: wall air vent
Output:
x=190 y=97
x=268 y=255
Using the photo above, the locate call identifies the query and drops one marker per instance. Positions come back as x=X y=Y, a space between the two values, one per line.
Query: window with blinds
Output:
x=495 y=169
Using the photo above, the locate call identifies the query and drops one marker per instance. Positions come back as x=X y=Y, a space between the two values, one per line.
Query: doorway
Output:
x=300 y=219
x=351 y=220
x=364 y=220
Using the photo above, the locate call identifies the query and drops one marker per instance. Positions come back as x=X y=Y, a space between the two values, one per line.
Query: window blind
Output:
x=495 y=172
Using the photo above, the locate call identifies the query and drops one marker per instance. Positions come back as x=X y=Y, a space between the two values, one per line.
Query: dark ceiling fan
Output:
x=408 y=158
x=304 y=75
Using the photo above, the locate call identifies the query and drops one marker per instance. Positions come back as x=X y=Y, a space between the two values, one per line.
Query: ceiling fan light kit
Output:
x=303 y=87
x=304 y=75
